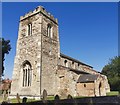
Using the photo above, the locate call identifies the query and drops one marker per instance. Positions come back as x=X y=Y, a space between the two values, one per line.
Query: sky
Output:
x=88 y=31
x=60 y=1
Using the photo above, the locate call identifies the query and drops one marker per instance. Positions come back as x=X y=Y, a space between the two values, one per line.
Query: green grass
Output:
x=0 y=99
x=113 y=93
x=30 y=100
x=50 y=98
x=14 y=100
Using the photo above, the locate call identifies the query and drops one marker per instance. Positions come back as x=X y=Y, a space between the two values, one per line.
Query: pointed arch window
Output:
x=27 y=74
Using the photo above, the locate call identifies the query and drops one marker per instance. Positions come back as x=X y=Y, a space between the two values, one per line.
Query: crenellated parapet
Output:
x=39 y=9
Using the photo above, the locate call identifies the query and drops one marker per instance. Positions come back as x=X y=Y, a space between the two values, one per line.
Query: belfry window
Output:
x=29 y=29
x=49 y=30
x=27 y=74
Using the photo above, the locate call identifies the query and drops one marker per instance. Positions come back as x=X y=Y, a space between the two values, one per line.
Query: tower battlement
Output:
x=39 y=9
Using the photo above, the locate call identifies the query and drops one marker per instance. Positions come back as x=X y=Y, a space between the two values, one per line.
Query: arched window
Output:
x=27 y=74
x=49 y=30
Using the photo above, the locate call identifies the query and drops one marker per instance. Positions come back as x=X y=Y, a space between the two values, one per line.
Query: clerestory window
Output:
x=73 y=65
x=66 y=63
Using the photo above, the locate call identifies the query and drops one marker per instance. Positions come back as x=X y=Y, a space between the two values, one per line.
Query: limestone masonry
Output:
x=39 y=65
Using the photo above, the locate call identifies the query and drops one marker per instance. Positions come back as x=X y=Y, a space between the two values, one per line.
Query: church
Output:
x=39 y=65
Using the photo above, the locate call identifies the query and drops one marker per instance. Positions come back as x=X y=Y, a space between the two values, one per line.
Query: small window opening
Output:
x=73 y=64
x=84 y=85
x=65 y=63
x=49 y=31
x=29 y=29
x=78 y=65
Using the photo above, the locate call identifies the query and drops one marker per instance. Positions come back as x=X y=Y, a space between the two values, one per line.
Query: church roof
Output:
x=87 y=78
x=78 y=71
x=70 y=58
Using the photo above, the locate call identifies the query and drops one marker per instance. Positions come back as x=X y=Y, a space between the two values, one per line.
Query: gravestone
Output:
x=57 y=97
x=24 y=100
x=18 y=98
x=90 y=101
x=44 y=94
x=69 y=97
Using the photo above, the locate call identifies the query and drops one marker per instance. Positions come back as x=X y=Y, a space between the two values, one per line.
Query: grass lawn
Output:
x=15 y=100
x=0 y=99
x=30 y=100
x=113 y=93
x=50 y=98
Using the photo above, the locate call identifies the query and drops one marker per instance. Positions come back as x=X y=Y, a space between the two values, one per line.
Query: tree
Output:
x=112 y=71
x=6 y=47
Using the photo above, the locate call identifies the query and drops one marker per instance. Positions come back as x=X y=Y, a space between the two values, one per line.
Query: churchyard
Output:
x=111 y=95
x=107 y=100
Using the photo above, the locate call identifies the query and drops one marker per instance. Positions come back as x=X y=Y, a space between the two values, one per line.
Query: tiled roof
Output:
x=87 y=78
x=70 y=58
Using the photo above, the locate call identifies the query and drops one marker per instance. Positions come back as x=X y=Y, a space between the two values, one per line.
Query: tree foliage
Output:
x=6 y=47
x=112 y=71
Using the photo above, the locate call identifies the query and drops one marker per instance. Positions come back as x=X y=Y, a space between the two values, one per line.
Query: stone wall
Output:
x=67 y=82
x=86 y=89
x=50 y=50
x=28 y=48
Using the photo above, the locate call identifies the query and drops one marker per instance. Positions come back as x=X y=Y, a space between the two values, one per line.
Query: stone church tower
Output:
x=39 y=65
x=36 y=55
